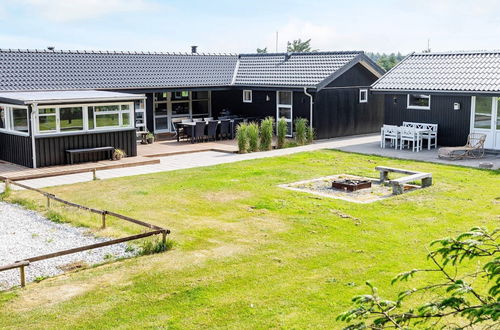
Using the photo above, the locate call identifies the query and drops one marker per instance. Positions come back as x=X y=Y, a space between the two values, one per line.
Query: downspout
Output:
x=34 y=110
x=311 y=103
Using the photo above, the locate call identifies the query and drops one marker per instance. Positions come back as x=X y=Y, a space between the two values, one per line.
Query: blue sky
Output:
x=242 y=26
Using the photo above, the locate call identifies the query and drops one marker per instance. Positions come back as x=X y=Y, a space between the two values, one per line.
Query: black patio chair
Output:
x=199 y=131
x=225 y=126
x=212 y=129
x=189 y=132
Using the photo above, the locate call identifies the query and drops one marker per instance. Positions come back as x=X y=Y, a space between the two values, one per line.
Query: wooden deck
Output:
x=147 y=155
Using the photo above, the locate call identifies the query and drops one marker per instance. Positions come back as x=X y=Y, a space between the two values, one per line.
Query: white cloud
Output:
x=75 y=10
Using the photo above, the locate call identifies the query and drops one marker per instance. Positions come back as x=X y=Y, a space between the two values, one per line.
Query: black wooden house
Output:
x=52 y=101
x=459 y=91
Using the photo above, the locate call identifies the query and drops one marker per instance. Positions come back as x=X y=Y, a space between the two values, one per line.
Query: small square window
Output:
x=247 y=96
x=419 y=101
x=363 y=96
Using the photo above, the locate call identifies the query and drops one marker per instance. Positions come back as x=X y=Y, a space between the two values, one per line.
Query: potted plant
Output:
x=150 y=137
x=119 y=154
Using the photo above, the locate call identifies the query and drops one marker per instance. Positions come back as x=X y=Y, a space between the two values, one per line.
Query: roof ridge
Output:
x=63 y=51
x=458 y=52
x=305 y=53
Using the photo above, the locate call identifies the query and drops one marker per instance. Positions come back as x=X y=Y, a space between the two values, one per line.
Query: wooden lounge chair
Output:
x=473 y=149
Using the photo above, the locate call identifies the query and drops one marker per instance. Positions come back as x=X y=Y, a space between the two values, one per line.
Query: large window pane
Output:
x=285 y=98
x=107 y=120
x=161 y=96
x=47 y=123
x=20 y=120
x=498 y=113
x=161 y=123
x=125 y=119
x=200 y=95
x=160 y=109
x=3 y=117
x=107 y=108
x=180 y=108
x=178 y=96
x=200 y=107
x=285 y=112
x=482 y=118
x=71 y=119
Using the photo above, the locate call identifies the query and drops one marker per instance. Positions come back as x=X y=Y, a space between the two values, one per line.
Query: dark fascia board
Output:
x=360 y=58
x=271 y=88
x=11 y=101
x=435 y=92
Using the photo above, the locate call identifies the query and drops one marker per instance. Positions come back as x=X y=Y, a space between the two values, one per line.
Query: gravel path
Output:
x=25 y=233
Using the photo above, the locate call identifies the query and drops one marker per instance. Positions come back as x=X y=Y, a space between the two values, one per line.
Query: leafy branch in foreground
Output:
x=457 y=300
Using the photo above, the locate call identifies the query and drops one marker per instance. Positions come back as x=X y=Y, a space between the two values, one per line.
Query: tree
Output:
x=262 y=50
x=386 y=61
x=299 y=46
x=459 y=299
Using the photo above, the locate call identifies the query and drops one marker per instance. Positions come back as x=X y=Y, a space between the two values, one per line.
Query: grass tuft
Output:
x=156 y=246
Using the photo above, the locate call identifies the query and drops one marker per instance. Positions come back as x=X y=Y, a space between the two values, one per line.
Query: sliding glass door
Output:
x=485 y=118
x=180 y=104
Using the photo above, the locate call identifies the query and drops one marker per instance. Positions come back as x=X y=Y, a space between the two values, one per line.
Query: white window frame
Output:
x=365 y=99
x=418 y=107
x=247 y=96
x=85 y=108
x=8 y=120
x=289 y=106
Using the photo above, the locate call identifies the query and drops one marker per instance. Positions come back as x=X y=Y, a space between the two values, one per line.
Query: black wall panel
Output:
x=16 y=149
x=51 y=150
x=454 y=125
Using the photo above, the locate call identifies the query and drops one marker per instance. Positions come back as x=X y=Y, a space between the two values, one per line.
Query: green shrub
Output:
x=54 y=216
x=281 y=129
x=155 y=246
x=311 y=134
x=253 y=137
x=266 y=134
x=301 y=131
x=242 y=137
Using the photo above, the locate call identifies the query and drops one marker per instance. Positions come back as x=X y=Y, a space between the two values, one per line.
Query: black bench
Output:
x=72 y=152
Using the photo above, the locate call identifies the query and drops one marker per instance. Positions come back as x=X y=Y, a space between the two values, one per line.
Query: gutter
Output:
x=311 y=103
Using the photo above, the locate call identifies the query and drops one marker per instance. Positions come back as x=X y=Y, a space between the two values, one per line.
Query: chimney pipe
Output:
x=194 y=49
x=51 y=48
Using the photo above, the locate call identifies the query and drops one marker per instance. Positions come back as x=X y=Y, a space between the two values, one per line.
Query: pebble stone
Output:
x=25 y=233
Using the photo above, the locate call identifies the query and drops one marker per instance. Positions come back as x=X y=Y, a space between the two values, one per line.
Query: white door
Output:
x=485 y=118
x=284 y=109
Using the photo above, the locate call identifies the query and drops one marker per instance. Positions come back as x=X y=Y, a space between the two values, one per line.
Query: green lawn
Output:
x=249 y=254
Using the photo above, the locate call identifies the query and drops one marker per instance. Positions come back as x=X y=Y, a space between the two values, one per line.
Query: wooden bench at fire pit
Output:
x=398 y=184
x=72 y=152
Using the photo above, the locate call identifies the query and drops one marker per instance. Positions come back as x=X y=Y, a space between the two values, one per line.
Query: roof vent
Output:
x=194 y=49
x=51 y=48
x=287 y=56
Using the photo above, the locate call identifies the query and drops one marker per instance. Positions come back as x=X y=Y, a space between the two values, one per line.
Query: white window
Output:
x=363 y=96
x=79 y=117
x=284 y=109
x=14 y=119
x=419 y=101
x=247 y=96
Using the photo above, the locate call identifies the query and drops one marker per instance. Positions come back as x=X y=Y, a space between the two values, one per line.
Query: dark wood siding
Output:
x=51 y=150
x=454 y=125
x=16 y=149
x=337 y=112
x=358 y=75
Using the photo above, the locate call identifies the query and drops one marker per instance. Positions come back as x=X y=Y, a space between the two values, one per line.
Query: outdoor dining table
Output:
x=418 y=131
x=193 y=123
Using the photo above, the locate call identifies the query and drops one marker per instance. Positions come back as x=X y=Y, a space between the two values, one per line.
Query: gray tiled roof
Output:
x=49 y=70
x=26 y=70
x=454 y=71
x=299 y=69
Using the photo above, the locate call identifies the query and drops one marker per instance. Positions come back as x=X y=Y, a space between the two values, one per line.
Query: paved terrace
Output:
x=365 y=144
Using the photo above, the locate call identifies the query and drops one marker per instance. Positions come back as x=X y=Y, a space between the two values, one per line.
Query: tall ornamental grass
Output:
x=301 y=131
x=266 y=134
x=281 y=132
x=253 y=137
x=242 y=138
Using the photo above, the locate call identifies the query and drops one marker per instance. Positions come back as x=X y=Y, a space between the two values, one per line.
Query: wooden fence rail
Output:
x=26 y=262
